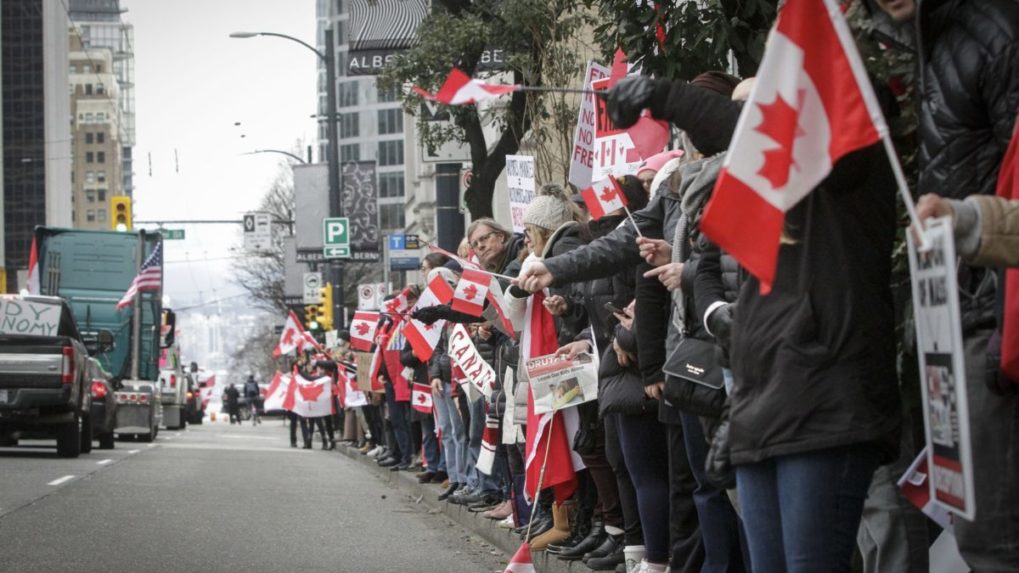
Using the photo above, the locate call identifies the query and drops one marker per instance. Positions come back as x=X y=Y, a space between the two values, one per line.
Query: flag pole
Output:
x=545 y=89
x=541 y=478
x=635 y=227
x=900 y=180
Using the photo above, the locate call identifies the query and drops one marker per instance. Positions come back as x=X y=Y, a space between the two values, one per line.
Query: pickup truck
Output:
x=44 y=373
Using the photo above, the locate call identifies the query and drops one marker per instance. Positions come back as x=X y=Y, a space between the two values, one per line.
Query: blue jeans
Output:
x=720 y=526
x=802 y=511
x=454 y=434
x=434 y=461
x=399 y=417
x=644 y=442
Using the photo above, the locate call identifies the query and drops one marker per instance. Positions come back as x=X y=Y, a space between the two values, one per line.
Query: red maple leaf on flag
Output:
x=288 y=336
x=471 y=291
x=780 y=123
x=429 y=326
x=362 y=329
x=609 y=194
x=422 y=399
x=311 y=393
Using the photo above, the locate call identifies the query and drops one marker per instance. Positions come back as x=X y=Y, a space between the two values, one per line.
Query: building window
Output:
x=89 y=157
x=100 y=157
x=90 y=215
x=391 y=184
x=88 y=137
x=101 y=137
x=102 y=215
x=74 y=69
x=101 y=177
x=86 y=69
x=391 y=216
x=391 y=152
x=348 y=94
x=102 y=195
x=88 y=89
x=349 y=125
x=100 y=90
x=90 y=195
x=90 y=177
x=89 y=118
x=390 y=121
x=389 y=94
x=350 y=152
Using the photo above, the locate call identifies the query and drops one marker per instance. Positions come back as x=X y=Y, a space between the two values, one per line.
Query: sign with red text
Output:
x=582 y=159
x=520 y=184
x=559 y=382
x=464 y=354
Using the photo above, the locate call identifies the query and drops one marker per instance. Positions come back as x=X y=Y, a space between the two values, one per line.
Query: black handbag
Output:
x=621 y=391
x=694 y=381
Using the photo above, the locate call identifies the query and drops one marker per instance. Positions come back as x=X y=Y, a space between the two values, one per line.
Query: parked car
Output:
x=104 y=405
x=44 y=372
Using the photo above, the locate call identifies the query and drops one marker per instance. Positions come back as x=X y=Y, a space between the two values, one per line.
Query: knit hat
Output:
x=550 y=209
x=446 y=274
x=655 y=162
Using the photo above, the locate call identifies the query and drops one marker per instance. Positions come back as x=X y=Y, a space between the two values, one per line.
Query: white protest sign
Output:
x=21 y=317
x=582 y=159
x=520 y=184
x=463 y=353
x=559 y=382
x=942 y=371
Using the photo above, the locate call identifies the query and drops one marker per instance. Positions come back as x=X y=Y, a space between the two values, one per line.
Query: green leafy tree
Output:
x=531 y=34
x=698 y=35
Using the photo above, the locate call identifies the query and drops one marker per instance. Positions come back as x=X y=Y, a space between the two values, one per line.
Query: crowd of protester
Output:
x=786 y=458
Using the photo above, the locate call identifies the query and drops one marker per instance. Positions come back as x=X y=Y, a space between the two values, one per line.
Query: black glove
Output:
x=720 y=324
x=430 y=314
x=628 y=98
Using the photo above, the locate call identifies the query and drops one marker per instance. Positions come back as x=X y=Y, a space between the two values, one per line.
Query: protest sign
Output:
x=21 y=317
x=582 y=160
x=559 y=382
x=942 y=371
x=466 y=356
x=520 y=184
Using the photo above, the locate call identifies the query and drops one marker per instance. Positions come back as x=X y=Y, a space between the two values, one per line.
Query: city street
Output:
x=217 y=497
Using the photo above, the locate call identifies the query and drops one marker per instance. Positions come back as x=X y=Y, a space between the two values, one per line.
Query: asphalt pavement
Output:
x=217 y=497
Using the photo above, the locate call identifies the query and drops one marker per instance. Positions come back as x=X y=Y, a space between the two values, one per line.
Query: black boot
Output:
x=453 y=486
x=611 y=544
x=593 y=540
x=612 y=557
x=579 y=532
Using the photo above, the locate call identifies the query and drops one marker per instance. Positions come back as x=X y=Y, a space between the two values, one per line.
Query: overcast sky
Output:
x=193 y=82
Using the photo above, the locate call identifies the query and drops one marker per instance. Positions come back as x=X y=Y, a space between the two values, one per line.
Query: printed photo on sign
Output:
x=559 y=382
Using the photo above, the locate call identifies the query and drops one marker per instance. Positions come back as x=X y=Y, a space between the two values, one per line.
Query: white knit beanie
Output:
x=550 y=209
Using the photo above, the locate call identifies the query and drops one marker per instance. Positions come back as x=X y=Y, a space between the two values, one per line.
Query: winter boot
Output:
x=560 y=528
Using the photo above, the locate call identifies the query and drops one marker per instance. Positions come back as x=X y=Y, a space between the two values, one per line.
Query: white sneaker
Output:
x=646 y=567
x=507 y=523
x=374 y=452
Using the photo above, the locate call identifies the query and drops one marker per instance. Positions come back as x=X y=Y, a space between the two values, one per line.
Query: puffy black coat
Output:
x=588 y=298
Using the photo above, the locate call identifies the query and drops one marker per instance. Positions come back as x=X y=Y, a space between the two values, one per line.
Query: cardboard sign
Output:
x=582 y=159
x=942 y=369
x=520 y=184
x=463 y=353
x=558 y=382
x=21 y=317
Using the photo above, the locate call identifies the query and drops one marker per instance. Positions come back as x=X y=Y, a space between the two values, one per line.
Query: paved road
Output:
x=217 y=498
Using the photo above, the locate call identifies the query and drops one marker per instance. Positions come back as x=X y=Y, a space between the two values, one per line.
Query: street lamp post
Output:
x=333 y=152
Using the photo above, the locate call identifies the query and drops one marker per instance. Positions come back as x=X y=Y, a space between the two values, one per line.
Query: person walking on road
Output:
x=233 y=406
x=252 y=393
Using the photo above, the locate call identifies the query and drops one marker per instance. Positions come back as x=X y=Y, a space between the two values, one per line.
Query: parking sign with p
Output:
x=336 y=237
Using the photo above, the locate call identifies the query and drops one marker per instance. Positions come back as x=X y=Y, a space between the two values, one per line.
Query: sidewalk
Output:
x=485 y=528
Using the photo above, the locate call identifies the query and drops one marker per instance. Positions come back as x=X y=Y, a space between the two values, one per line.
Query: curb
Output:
x=485 y=528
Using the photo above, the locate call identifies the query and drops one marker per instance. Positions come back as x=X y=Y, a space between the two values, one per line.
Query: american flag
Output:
x=150 y=278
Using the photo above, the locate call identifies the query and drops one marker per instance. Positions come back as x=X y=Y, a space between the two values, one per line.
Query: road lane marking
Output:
x=61 y=480
x=177 y=434
x=151 y=446
x=133 y=451
x=103 y=462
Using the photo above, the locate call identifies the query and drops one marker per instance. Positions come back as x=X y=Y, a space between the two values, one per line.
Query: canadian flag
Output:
x=549 y=459
x=206 y=389
x=811 y=105
x=308 y=342
x=362 y=330
x=497 y=312
x=460 y=89
x=292 y=337
x=276 y=394
x=1008 y=187
x=603 y=197
x=423 y=337
x=399 y=304
x=33 y=269
x=521 y=561
x=471 y=291
x=915 y=487
x=421 y=398
x=310 y=398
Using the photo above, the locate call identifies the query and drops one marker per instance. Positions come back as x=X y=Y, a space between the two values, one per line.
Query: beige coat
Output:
x=999 y=234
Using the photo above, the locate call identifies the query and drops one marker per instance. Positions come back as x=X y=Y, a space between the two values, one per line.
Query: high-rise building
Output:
x=95 y=135
x=36 y=126
x=371 y=121
x=100 y=24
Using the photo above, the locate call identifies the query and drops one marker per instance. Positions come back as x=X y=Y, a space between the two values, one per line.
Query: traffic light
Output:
x=325 y=308
x=311 y=316
x=121 y=220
